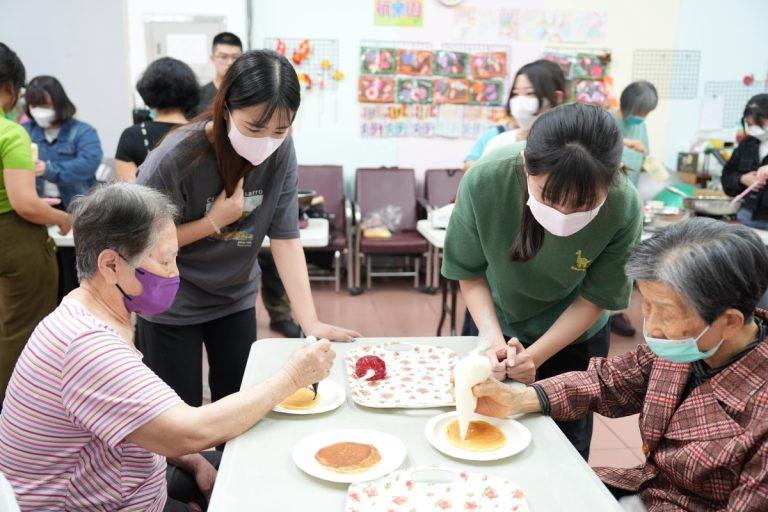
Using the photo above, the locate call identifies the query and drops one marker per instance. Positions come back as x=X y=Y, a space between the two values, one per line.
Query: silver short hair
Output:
x=638 y=99
x=713 y=265
x=124 y=217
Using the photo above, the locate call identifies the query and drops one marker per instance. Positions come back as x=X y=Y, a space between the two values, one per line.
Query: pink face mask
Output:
x=558 y=223
x=253 y=149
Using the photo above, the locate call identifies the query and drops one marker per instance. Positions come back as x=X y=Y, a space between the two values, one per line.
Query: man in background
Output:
x=226 y=48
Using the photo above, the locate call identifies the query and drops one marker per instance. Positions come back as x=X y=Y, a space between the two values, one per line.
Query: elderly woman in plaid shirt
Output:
x=700 y=383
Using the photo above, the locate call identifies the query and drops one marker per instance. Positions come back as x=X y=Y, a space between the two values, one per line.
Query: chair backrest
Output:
x=441 y=185
x=375 y=189
x=327 y=181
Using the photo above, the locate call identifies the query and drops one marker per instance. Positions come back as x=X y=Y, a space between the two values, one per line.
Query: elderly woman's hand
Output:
x=310 y=364
x=500 y=400
x=519 y=364
x=205 y=477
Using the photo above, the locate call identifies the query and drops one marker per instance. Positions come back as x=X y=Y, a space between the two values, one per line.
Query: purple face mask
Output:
x=157 y=295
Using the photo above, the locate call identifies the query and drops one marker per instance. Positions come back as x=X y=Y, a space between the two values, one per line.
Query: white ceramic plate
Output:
x=332 y=395
x=518 y=437
x=391 y=449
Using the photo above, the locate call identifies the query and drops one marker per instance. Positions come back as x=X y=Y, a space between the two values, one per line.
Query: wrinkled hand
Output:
x=762 y=174
x=227 y=210
x=309 y=364
x=331 y=332
x=205 y=477
x=65 y=225
x=519 y=363
x=496 y=399
x=636 y=145
x=39 y=168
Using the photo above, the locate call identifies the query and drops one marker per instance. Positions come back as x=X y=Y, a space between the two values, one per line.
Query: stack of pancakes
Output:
x=348 y=457
x=481 y=436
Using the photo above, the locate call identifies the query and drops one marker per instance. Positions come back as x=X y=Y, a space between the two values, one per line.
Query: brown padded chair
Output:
x=441 y=186
x=328 y=181
x=375 y=189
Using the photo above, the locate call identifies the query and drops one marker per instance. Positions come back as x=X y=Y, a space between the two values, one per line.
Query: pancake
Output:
x=348 y=457
x=481 y=436
x=301 y=399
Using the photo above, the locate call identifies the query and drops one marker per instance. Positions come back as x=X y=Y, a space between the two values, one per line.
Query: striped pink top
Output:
x=77 y=391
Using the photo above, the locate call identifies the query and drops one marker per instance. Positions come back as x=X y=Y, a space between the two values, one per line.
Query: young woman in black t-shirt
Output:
x=168 y=86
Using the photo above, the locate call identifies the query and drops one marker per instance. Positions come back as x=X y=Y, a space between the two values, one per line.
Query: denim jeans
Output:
x=745 y=217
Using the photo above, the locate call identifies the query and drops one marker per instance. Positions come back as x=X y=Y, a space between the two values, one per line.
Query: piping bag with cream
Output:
x=310 y=340
x=471 y=370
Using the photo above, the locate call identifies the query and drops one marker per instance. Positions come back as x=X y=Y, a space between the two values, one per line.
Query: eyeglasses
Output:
x=223 y=57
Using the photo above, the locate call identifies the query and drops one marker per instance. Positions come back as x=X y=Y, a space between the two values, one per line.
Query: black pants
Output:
x=572 y=358
x=182 y=487
x=175 y=353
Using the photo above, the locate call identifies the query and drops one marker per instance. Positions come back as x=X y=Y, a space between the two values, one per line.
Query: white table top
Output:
x=434 y=236
x=257 y=470
x=314 y=235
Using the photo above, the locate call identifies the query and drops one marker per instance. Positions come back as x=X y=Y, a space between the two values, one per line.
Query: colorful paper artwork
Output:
x=489 y=65
x=377 y=61
x=482 y=92
x=451 y=64
x=563 y=60
x=398 y=120
x=477 y=120
x=590 y=66
x=591 y=91
x=398 y=13
x=532 y=25
x=414 y=62
x=414 y=90
x=452 y=90
x=376 y=89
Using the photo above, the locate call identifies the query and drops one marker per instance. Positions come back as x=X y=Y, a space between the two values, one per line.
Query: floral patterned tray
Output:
x=406 y=491
x=418 y=376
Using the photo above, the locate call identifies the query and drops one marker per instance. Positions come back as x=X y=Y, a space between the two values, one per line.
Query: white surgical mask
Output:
x=253 y=149
x=525 y=110
x=758 y=132
x=43 y=116
x=558 y=223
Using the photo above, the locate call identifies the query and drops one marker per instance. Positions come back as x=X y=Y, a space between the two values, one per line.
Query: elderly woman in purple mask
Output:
x=85 y=424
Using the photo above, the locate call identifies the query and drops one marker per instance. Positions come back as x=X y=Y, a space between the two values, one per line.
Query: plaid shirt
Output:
x=705 y=451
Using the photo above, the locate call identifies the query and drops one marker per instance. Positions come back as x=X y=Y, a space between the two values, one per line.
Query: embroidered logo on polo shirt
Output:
x=581 y=262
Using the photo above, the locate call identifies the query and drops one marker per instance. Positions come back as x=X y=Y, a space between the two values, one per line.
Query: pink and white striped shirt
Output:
x=77 y=391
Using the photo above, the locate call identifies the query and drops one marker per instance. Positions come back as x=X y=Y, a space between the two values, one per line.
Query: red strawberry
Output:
x=374 y=363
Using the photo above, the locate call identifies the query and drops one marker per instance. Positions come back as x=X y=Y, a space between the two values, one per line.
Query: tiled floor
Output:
x=394 y=308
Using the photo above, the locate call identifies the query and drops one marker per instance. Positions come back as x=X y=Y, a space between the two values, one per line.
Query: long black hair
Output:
x=35 y=95
x=578 y=147
x=757 y=109
x=546 y=78
x=257 y=77
x=12 y=72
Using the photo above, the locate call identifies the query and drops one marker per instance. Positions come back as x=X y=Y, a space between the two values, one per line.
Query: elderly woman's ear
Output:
x=733 y=321
x=107 y=264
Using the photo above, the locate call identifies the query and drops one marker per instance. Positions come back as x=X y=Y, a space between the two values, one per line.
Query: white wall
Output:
x=83 y=43
x=327 y=128
x=141 y=11
x=733 y=43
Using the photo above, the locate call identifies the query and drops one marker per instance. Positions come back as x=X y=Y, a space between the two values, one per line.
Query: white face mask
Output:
x=43 y=116
x=558 y=223
x=525 y=110
x=758 y=132
x=253 y=149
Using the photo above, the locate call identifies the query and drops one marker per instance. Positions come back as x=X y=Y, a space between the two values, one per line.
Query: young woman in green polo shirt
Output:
x=28 y=272
x=538 y=240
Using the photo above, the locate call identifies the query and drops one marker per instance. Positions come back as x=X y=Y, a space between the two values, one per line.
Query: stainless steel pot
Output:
x=716 y=206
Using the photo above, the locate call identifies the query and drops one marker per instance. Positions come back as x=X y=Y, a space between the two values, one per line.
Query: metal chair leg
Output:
x=416 y=268
x=337 y=269
x=428 y=273
x=368 y=271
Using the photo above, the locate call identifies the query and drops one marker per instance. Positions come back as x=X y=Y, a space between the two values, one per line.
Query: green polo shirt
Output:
x=15 y=153
x=531 y=296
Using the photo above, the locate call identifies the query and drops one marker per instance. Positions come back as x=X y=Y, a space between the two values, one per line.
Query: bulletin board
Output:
x=412 y=89
x=674 y=73
x=587 y=71
x=736 y=95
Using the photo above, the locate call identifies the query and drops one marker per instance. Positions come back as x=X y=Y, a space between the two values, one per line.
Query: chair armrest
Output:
x=349 y=214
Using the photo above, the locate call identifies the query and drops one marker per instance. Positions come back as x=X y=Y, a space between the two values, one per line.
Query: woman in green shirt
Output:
x=538 y=240
x=28 y=272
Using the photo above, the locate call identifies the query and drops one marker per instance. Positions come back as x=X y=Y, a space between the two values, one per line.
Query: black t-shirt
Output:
x=136 y=141
x=207 y=93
